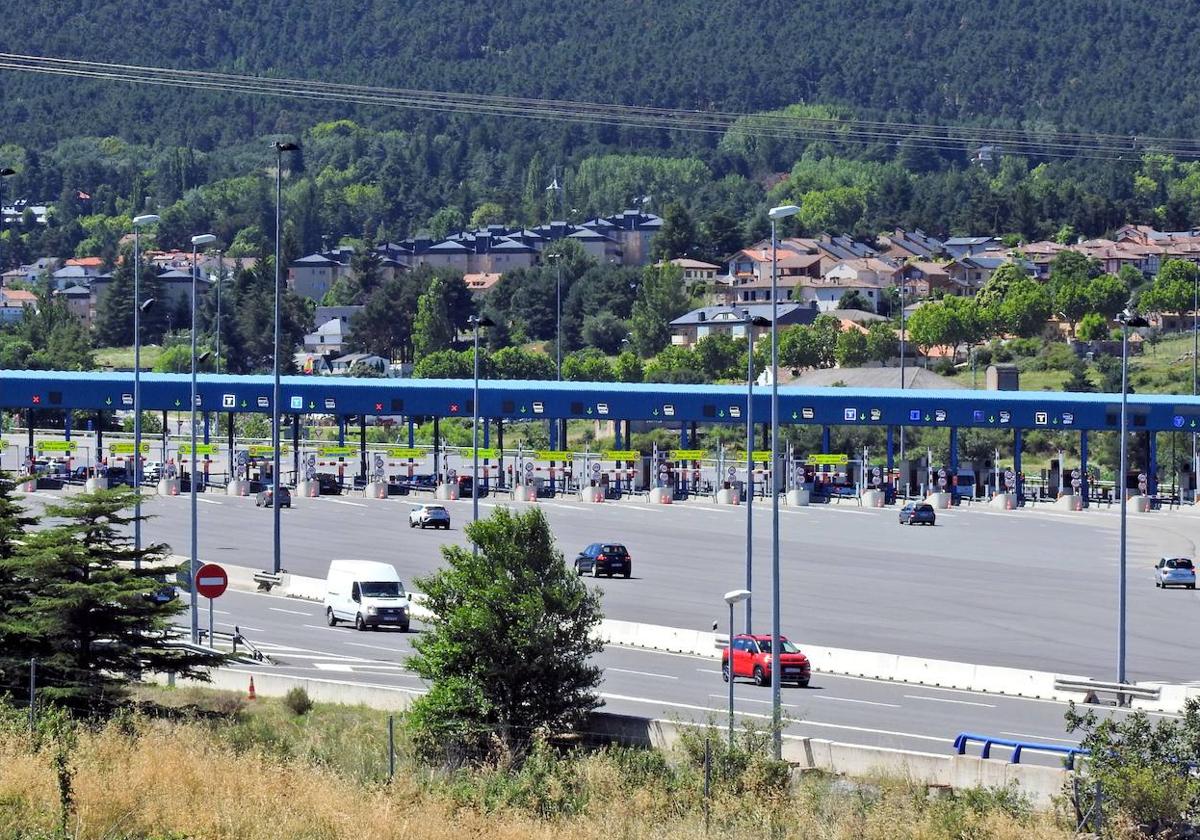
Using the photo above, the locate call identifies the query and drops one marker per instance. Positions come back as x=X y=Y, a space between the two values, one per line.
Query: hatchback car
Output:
x=429 y=516
x=752 y=659
x=263 y=498
x=1175 y=571
x=917 y=513
x=606 y=559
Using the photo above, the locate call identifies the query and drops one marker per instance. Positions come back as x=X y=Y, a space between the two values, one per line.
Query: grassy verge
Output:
x=121 y=358
x=219 y=768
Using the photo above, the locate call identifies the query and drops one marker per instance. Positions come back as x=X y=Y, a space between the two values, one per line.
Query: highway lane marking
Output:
x=852 y=700
x=242 y=626
x=209 y=501
x=940 y=739
x=374 y=647
x=1041 y=738
x=642 y=673
x=948 y=700
x=344 y=502
x=292 y=612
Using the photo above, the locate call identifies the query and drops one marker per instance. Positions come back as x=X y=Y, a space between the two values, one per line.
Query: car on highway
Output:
x=366 y=593
x=606 y=559
x=917 y=513
x=1175 y=571
x=752 y=660
x=327 y=485
x=429 y=516
x=263 y=497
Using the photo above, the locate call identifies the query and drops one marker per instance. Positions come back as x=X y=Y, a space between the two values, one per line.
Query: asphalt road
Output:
x=658 y=685
x=1032 y=588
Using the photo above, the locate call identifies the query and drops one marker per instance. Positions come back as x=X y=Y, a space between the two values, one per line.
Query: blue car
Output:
x=917 y=513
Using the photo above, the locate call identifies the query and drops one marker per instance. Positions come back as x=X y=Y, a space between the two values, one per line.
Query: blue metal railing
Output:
x=965 y=738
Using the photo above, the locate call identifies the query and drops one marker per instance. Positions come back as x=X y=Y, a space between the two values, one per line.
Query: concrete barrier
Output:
x=1041 y=784
x=727 y=496
x=874 y=498
x=660 y=496
x=591 y=495
x=446 y=492
x=1004 y=501
x=797 y=498
x=525 y=493
x=168 y=487
x=308 y=489
x=1069 y=501
x=940 y=501
x=239 y=487
x=376 y=490
x=94 y=484
x=1139 y=504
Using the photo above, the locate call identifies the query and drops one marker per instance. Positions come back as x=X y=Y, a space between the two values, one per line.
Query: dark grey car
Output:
x=917 y=513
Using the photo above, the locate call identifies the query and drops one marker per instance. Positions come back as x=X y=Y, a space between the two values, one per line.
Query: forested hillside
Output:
x=202 y=159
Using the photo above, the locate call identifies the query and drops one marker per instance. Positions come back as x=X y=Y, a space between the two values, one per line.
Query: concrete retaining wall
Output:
x=1039 y=783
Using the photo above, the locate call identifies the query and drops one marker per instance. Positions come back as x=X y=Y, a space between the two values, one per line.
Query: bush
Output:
x=1025 y=346
x=1054 y=357
x=945 y=367
x=1002 y=354
x=983 y=357
x=298 y=701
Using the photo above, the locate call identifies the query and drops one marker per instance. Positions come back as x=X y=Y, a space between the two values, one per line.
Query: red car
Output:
x=752 y=658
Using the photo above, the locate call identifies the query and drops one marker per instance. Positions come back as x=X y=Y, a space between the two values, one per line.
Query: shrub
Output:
x=945 y=367
x=983 y=357
x=298 y=701
x=1002 y=354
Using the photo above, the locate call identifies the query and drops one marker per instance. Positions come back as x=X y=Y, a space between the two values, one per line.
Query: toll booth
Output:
x=400 y=464
x=618 y=471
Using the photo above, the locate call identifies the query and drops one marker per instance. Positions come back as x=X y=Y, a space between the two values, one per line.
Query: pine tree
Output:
x=114 y=315
x=89 y=618
x=13 y=593
x=432 y=328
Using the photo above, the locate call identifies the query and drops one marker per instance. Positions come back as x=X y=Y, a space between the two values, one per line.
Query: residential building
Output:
x=327 y=339
x=907 y=245
x=13 y=303
x=312 y=276
x=692 y=326
x=482 y=281
x=79 y=303
x=342 y=365
x=696 y=272
x=73 y=275
x=972 y=272
x=967 y=246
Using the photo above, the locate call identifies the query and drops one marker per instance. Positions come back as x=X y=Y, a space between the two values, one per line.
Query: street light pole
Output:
x=194 y=567
x=6 y=172
x=903 y=338
x=775 y=214
x=217 y=331
x=138 y=223
x=751 y=322
x=732 y=598
x=276 y=409
x=1127 y=320
x=476 y=322
x=1195 y=371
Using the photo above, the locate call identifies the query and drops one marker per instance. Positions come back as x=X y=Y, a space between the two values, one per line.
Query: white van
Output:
x=367 y=594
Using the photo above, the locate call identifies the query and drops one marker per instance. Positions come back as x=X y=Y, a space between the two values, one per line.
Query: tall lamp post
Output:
x=1126 y=319
x=6 y=172
x=903 y=339
x=1195 y=371
x=197 y=241
x=751 y=321
x=476 y=322
x=776 y=214
x=556 y=187
x=276 y=408
x=732 y=598
x=139 y=306
x=217 y=328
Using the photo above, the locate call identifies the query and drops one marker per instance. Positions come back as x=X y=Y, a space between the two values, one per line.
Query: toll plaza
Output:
x=38 y=397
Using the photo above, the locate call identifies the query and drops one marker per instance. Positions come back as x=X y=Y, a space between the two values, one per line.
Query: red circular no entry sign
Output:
x=211 y=581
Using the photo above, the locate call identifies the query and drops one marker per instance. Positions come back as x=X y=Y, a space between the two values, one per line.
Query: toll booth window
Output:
x=508 y=407
x=577 y=408
x=55 y=397
x=1139 y=419
x=710 y=411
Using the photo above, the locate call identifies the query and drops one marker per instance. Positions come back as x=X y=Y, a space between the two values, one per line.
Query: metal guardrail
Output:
x=965 y=738
x=1125 y=692
x=228 y=641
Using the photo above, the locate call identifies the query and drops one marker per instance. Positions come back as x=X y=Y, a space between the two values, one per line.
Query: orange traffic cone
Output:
x=252 y=695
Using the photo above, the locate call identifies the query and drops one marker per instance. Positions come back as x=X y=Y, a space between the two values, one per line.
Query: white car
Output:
x=429 y=516
x=1175 y=571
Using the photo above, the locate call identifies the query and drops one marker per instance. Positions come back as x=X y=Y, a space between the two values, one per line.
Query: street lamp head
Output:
x=142 y=221
x=203 y=239
x=146 y=304
x=286 y=147
x=736 y=596
x=480 y=321
x=6 y=171
x=1132 y=319
x=782 y=212
x=203 y=357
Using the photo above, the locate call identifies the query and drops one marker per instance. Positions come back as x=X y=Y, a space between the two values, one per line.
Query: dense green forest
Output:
x=202 y=159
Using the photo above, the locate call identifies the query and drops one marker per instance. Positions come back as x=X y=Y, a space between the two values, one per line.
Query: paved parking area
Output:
x=1029 y=588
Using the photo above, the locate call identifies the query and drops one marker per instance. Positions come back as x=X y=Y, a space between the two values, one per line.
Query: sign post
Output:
x=211 y=582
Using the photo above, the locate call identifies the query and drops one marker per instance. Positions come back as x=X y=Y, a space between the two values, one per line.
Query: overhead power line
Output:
x=1090 y=146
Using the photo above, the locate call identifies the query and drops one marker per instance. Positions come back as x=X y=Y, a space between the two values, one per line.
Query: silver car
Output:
x=1175 y=571
x=429 y=516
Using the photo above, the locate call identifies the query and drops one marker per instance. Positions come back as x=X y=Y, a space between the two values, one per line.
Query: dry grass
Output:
x=155 y=779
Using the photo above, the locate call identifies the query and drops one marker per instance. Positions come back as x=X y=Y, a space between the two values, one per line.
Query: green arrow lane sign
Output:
x=490 y=453
x=178 y=403
x=402 y=452
x=55 y=446
x=201 y=449
x=621 y=455
x=108 y=400
x=126 y=448
x=553 y=455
